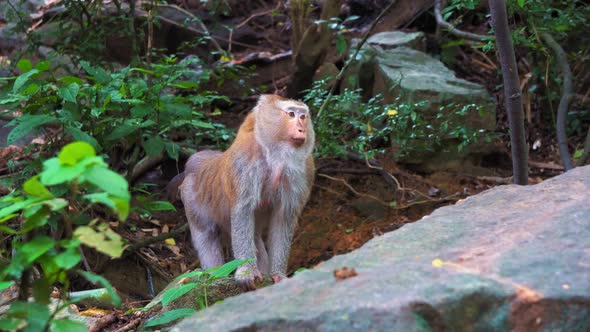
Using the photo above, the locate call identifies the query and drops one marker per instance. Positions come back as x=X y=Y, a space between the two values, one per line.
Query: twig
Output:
x=216 y=37
x=198 y=20
x=374 y=164
x=454 y=31
x=176 y=231
x=131 y=326
x=375 y=198
x=566 y=97
x=380 y=201
x=103 y=322
x=355 y=54
x=244 y=22
x=144 y=165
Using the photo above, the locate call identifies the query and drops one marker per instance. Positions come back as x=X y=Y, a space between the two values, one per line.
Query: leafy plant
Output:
x=200 y=281
x=57 y=200
x=119 y=112
x=351 y=125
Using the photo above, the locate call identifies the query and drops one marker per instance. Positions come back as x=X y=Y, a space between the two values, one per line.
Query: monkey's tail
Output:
x=172 y=187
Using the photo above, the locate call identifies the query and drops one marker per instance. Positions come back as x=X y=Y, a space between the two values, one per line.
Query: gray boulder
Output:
x=395 y=65
x=511 y=258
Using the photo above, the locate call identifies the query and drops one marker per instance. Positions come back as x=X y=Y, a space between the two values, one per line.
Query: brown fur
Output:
x=263 y=180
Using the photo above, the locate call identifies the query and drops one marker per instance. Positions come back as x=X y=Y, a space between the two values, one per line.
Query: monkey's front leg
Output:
x=244 y=245
x=280 y=235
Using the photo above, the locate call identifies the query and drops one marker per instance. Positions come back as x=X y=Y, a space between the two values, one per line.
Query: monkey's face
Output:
x=283 y=121
x=296 y=122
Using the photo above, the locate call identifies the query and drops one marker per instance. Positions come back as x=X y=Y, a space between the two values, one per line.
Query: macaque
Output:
x=257 y=187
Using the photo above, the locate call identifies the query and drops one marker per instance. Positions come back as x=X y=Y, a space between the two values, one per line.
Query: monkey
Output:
x=257 y=187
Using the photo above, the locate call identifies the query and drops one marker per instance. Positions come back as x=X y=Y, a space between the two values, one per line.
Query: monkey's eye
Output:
x=292 y=114
x=302 y=117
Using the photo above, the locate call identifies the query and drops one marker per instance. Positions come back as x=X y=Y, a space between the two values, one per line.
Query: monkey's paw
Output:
x=276 y=277
x=248 y=275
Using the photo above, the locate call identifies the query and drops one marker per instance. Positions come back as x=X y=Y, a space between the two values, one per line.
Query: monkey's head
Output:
x=283 y=120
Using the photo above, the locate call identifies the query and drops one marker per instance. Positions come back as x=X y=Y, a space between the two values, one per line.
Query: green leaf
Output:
x=70 y=80
x=176 y=292
x=26 y=124
x=68 y=259
x=226 y=269
x=103 y=239
x=12 y=324
x=35 y=188
x=5 y=284
x=36 y=248
x=559 y=27
x=31 y=89
x=35 y=217
x=23 y=79
x=341 y=44
x=119 y=205
x=170 y=316
x=96 y=279
x=55 y=173
x=56 y=204
x=201 y=124
x=173 y=150
x=107 y=180
x=97 y=73
x=43 y=65
x=139 y=111
x=177 y=109
x=159 y=206
x=36 y=315
x=190 y=274
x=153 y=146
x=520 y=3
x=74 y=152
x=68 y=325
x=24 y=65
x=121 y=131
x=69 y=93
x=80 y=135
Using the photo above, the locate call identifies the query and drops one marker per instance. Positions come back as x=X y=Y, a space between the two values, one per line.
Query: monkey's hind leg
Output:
x=207 y=241
x=261 y=255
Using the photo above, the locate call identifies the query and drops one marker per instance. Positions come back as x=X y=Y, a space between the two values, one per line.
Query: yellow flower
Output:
x=369 y=129
x=437 y=262
x=391 y=112
x=225 y=58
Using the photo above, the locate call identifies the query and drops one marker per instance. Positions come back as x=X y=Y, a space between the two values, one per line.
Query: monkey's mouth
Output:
x=297 y=142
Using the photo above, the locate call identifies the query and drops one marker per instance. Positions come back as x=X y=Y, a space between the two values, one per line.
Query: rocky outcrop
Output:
x=395 y=65
x=511 y=258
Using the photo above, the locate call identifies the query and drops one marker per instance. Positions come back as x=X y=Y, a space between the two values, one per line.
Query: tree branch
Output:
x=566 y=97
x=512 y=93
x=438 y=7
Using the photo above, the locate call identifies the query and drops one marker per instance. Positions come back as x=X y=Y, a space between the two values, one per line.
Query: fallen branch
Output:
x=176 y=231
x=566 y=97
x=438 y=7
x=382 y=202
x=145 y=165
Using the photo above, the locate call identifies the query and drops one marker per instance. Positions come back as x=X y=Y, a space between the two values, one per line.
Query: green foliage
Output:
x=351 y=125
x=339 y=26
x=117 y=112
x=58 y=197
x=201 y=279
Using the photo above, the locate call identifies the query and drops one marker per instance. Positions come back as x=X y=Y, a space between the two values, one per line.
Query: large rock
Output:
x=395 y=65
x=511 y=258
